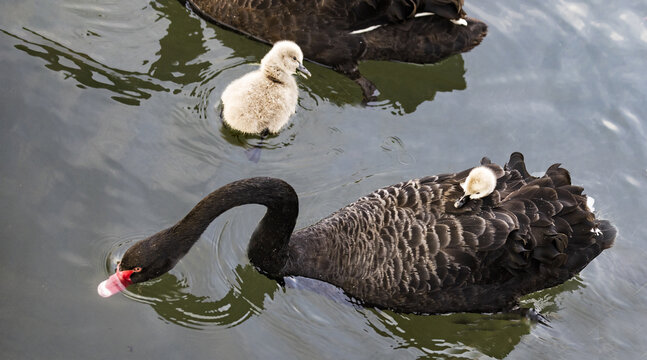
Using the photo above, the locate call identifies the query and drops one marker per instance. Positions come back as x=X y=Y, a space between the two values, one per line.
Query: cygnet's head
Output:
x=285 y=56
x=480 y=183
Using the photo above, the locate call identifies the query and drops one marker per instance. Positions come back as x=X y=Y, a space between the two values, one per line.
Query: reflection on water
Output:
x=463 y=335
x=460 y=335
x=131 y=87
x=169 y=297
x=180 y=48
x=451 y=335
x=454 y=335
x=405 y=86
x=545 y=301
x=247 y=141
x=183 y=60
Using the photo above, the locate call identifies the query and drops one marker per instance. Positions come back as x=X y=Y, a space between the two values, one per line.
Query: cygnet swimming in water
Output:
x=266 y=98
x=480 y=183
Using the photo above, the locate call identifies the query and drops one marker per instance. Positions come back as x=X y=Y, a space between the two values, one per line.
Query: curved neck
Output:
x=268 y=246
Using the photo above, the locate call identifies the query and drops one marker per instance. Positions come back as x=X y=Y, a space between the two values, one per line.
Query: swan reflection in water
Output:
x=403 y=86
x=494 y=335
x=168 y=296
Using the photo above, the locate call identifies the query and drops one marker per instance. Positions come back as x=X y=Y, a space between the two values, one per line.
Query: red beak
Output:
x=115 y=283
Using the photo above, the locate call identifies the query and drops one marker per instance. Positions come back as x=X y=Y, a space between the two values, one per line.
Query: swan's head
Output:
x=286 y=56
x=480 y=183
x=146 y=260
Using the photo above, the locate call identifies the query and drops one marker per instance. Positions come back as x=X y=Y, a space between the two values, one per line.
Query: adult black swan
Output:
x=340 y=33
x=432 y=245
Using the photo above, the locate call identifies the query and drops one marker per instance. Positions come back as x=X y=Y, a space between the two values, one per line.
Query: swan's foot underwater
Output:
x=369 y=90
x=254 y=154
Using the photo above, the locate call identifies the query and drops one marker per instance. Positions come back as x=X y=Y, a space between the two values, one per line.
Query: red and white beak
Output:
x=115 y=283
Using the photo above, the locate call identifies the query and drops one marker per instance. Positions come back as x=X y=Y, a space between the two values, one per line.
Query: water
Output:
x=108 y=134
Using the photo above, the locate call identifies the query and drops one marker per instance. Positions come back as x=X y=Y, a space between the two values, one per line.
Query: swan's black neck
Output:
x=268 y=246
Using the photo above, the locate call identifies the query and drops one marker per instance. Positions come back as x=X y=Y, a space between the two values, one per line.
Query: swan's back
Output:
x=323 y=29
x=406 y=247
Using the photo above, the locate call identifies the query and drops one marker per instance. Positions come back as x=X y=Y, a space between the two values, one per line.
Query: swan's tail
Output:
x=606 y=234
x=584 y=247
x=423 y=40
x=517 y=162
x=556 y=220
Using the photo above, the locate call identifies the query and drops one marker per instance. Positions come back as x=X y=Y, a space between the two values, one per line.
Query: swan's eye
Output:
x=294 y=58
x=137 y=269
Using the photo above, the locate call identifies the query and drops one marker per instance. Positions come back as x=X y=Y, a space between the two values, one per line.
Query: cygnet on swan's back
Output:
x=480 y=183
x=406 y=247
x=265 y=98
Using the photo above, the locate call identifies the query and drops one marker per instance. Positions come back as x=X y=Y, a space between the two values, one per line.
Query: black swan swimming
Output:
x=341 y=33
x=408 y=247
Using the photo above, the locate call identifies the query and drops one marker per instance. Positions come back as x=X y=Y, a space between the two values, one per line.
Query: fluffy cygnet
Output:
x=480 y=183
x=265 y=98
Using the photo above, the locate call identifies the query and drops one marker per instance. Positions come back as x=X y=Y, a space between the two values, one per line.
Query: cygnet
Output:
x=480 y=183
x=263 y=100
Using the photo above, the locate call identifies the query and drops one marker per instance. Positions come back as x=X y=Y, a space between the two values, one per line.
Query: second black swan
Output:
x=341 y=33
x=446 y=243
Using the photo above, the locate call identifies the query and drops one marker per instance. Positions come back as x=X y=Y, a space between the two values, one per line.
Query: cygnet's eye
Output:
x=294 y=58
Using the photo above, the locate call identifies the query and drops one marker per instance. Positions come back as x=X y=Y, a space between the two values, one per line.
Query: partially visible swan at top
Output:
x=406 y=247
x=265 y=99
x=341 y=33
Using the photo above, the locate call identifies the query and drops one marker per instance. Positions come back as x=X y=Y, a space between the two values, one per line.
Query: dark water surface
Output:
x=108 y=134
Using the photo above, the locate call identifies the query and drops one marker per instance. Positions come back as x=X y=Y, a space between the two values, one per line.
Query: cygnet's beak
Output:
x=303 y=71
x=461 y=202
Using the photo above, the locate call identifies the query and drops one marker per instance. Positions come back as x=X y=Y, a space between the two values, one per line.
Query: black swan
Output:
x=341 y=33
x=406 y=247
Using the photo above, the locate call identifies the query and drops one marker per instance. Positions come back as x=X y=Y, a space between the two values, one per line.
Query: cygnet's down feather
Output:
x=267 y=97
